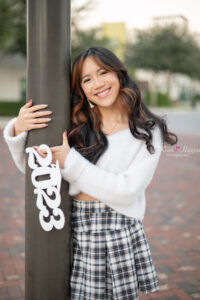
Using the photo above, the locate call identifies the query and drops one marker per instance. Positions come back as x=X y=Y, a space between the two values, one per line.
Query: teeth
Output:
x=103 y=93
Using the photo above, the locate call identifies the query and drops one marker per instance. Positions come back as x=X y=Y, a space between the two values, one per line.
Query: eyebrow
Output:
x=89 y=74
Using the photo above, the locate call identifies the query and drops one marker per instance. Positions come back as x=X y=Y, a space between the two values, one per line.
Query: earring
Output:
x=90 y=103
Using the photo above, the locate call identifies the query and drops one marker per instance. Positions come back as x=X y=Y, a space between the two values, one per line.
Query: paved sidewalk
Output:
x=171 y=223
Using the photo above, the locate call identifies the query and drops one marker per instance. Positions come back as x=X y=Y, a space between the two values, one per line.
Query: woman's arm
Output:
x=110 y=186
x=16 y=144
x=28 y=119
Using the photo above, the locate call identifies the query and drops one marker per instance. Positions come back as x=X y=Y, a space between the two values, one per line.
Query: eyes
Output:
x=102 y=73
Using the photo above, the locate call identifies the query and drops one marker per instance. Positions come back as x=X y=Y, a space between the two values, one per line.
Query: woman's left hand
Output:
x=58 y=152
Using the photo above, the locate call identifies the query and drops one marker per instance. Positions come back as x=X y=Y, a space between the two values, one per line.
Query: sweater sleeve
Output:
x=114 y=187
x=16 y=144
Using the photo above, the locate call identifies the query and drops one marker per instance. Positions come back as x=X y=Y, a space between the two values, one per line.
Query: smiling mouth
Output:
x=103 y=93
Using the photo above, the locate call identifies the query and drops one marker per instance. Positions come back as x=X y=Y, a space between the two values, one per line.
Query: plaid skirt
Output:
x=111 y=255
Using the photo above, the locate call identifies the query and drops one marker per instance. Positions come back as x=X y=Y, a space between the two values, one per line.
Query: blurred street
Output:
x=171 y=222
x=183 y=121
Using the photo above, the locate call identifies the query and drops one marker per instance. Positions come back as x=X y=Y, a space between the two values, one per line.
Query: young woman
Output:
x=109 y=158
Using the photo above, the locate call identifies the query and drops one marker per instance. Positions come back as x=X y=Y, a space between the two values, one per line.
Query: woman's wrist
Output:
x=65 y=157
x=16 y=131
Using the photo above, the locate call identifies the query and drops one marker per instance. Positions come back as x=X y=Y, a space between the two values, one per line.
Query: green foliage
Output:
x=13 y=28
x=197 y=97
x=163 y=99
x=147 y=98
x=170 y=48
x=10 y=108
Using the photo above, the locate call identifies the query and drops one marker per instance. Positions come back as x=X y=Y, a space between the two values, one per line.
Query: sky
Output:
x=139 y=14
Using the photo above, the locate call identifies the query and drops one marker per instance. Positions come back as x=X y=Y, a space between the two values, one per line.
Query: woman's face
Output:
x=99 y=85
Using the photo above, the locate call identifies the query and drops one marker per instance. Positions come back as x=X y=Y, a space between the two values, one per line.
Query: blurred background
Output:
x=159 y=42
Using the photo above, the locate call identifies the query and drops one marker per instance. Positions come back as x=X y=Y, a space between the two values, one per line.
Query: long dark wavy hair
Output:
x=85 y=133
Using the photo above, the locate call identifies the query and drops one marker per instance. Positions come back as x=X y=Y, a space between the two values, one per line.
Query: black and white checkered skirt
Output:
x=111 y=255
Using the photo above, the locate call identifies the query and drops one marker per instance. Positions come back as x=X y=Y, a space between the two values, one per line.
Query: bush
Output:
x=147 y=98
x=162 y=99
x=10 y=108
x=197 y=97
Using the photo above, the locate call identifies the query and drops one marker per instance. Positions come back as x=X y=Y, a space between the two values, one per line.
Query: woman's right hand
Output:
x=29 y=117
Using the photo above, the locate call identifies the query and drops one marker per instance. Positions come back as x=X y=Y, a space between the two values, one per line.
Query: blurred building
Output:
x=179 y=87
x=117 y=33
x=12 y=77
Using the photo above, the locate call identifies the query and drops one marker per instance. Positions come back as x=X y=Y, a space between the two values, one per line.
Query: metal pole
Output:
x=48 y=255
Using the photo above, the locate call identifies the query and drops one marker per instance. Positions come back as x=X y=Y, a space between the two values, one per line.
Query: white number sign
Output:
x=46 y=188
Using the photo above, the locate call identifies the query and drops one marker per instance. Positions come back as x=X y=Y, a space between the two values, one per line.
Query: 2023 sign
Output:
x=48 y=190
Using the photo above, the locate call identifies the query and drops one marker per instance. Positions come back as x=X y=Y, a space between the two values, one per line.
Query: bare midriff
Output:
x=84 y=197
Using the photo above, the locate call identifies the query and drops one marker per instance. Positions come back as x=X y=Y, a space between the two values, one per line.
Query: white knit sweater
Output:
x=120 y=176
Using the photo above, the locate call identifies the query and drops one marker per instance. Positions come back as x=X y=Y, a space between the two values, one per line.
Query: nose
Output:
x=98 y=83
